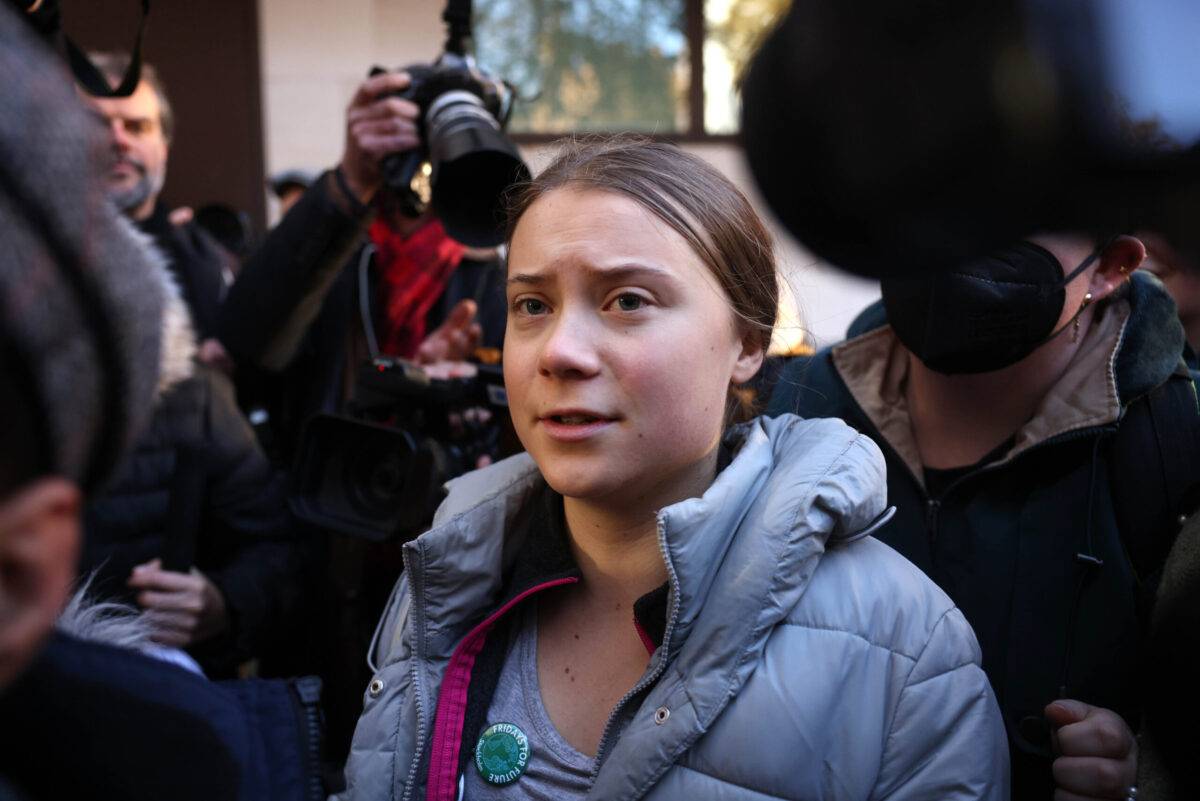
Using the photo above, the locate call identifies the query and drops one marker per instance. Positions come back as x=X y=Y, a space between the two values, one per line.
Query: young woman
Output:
x=651 y=601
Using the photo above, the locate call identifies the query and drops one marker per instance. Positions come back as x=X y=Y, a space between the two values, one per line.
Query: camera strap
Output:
x=457 y=17
x=92 y=80
x=364 y=299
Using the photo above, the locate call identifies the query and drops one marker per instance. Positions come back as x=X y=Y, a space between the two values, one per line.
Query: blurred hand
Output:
x=455 y=339
x=181 y=216
x=184 y=608
x=212 y=353
x=447 y=370
x=376 y=126
x=1098 y=752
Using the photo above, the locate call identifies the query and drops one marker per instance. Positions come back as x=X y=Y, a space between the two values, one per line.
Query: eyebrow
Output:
x=615 y=273
x=108 y=118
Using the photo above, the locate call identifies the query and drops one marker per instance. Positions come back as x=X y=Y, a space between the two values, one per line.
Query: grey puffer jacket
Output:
x=801 y=659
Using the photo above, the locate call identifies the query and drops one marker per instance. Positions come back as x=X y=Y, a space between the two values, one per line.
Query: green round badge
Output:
x=502 y=753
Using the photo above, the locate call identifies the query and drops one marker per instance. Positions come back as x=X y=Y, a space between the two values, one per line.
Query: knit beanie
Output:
x=82 y=296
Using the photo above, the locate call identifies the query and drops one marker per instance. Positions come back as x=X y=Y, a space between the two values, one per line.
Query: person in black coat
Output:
x=195 y=528
x=1039 y=434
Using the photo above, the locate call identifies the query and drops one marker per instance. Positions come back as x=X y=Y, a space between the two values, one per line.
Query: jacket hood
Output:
x=794 y=487
x=80 y=307
x=731 y=554
x=178 y=350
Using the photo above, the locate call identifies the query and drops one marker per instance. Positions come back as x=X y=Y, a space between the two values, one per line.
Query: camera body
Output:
x=378 y=472
x=436 y=89
x=465 y=163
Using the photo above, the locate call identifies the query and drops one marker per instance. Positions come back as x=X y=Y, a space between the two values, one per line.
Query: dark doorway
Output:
x=207 y=55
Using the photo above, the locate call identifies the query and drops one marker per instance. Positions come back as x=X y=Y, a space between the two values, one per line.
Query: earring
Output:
x=1087 y=299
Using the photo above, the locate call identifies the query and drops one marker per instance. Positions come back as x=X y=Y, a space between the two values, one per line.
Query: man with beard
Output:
x=140 y=128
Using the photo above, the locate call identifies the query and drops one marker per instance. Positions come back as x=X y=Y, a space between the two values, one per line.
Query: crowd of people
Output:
x=951 y=557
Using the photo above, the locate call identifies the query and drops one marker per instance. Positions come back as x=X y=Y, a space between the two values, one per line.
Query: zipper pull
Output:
x=932 y=507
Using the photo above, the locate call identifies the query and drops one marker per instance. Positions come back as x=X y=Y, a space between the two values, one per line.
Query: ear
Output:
x=39 y=547
x=750 y=357
x=1117 y=262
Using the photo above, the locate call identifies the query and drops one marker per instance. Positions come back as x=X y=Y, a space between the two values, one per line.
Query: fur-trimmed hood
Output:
x=81 y=301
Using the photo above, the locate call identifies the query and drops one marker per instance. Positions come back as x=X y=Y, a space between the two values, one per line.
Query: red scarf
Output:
x=412 y=273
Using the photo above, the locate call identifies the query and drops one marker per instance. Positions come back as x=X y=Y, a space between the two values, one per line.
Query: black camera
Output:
x=369 y=474
x=465 y=163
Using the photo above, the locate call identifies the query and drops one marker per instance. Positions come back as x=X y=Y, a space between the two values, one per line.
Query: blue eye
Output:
x=630 y=302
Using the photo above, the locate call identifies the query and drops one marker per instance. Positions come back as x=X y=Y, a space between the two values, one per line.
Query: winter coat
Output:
x=199 y=467
x=799 y=658
x=90 y=721
x=196 y=261
x=1053 y=571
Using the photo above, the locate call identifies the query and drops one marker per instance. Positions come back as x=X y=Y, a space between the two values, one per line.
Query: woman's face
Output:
x=619 y=351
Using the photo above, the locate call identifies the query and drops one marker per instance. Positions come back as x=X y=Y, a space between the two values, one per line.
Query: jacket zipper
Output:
x=932 y=507
x=652 y=676
x=306 y=699
x=418 y=689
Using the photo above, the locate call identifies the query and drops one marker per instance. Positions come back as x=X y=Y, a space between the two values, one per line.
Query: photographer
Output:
x=294 y=323
x=295 y=313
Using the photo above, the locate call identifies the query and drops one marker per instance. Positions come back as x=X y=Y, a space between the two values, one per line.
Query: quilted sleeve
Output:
x=947 y=738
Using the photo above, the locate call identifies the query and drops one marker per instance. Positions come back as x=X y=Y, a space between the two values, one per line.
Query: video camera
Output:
x=370 y=474
x=896 y=138
x=465 y=163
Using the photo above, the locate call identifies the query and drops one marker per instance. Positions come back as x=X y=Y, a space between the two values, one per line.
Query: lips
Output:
x=575 y=425
x=127 y=166
x=576 y=417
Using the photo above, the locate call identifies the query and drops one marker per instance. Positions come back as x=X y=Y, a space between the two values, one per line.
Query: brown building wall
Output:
x=207 y=54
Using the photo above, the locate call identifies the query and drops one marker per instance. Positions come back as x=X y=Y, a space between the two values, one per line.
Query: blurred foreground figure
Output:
x=84 y=324
x=906 y=138
x=1043 y=444
x=80 y=341
x=80 y=344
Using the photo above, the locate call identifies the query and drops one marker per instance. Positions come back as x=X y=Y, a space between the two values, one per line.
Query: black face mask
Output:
x=985 y=315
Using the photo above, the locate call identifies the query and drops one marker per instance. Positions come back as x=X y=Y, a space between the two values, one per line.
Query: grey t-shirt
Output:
x=555 y=770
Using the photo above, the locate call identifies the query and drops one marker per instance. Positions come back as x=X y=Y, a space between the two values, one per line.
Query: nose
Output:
x=117 y=135
x=571 y=347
